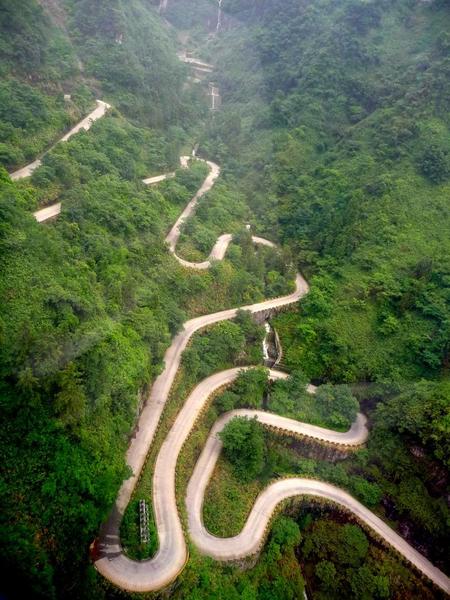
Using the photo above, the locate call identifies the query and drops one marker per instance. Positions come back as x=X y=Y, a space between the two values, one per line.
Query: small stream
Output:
x=265 y=343
x=270 y=346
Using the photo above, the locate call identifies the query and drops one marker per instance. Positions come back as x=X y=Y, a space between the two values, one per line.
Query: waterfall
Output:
x=219 y=16
x=163 y=6
x=265 y=343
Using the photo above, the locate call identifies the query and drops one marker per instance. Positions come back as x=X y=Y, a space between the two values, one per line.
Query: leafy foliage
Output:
x=354 y=182
x=243 y=444
x=88 y=307
x=330 y=406
x=125 y=47
x=38 y=66
x=345 y=178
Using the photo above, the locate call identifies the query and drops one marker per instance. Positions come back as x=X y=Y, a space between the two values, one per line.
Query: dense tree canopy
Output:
x=243 y=444
x=333 y=139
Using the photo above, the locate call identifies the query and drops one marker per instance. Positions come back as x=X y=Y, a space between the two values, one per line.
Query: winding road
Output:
x=49 y=212
x=196 y=63
x=169 y=561
x=52 y=211
x=220 y=247
x=85 y=124
x=249 y=541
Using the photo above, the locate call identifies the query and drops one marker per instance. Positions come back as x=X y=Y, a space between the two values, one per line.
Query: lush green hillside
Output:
x=125 y=46
x=116 y=51
x=334 y=141
x=38 y=66
x=336 y=122
x=88 y=306
x=345 y=116
x=78 y=321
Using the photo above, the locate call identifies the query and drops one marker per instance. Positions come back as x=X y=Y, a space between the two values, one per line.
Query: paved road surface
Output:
x=184 y=162
x=215 y=97
x=49 y=212
x=86 y=124
x=195 y=62
x=174 y=233
x=154 y=574
x=218 y=251
x=250 y=539
x=171 y=557
x=252 y=536
x=172 y=554
x=220 y=247
x=158 y=178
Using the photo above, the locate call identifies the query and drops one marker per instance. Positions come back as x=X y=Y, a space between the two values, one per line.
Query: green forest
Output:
x=333 y=140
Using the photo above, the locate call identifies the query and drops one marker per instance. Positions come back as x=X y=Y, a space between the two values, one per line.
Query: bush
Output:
x=243 y=443
x=434 y=163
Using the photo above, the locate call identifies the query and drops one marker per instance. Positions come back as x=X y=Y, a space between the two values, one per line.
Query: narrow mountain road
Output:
x=49 y=212
x=252 y=536
x=214 y=95
x=195 y=62
x=171 y=557
x=114 y=564
x=220 y=247
x=172 y=554
x=85 y=124
x=158 y=178
x=174 y=233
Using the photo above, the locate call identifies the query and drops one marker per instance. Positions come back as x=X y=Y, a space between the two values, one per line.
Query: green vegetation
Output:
x=346 y=178
x=355 y=182
x=120 y=50
x=391 y=475
x=243 y=445
x=333 y=140
x=330 y=406
x=276 y=574
x=222 y=346
x=89 y=305
x=32 y=44
x=228 y=502
x=37 y=65
x=82 y=332
x=339 y=560
x=126 y=48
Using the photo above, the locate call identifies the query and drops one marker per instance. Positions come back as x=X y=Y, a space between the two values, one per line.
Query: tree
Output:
x=227 y=401
x=369 y=493
x=326 y=573
x=421 y=411
x=250 y=387
x=252 y=331
x=243 y=443
x=70 y=402
x=366 y=586
x=434 y=163
x=286 y=532
x=338 y=403
x=353 y=545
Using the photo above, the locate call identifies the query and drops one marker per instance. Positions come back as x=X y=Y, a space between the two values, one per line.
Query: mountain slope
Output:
x=87 y=50
x=346 y=117
x=38 y=66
